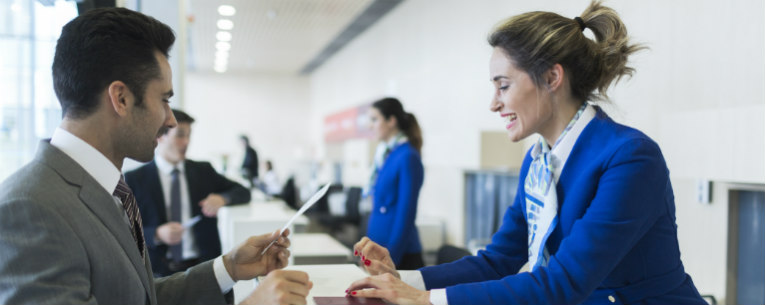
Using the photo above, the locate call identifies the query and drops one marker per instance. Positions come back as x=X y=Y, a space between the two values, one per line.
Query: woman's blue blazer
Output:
x=396 y=190
x=615 y=243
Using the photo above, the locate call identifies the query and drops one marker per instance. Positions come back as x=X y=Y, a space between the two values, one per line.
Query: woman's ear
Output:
x=554 y=77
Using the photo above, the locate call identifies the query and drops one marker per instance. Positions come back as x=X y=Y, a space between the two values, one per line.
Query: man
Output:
x=70 y=230
x=250 y=164
x=172 y=190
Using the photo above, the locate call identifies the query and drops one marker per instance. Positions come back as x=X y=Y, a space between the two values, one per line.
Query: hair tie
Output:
x=579 y=20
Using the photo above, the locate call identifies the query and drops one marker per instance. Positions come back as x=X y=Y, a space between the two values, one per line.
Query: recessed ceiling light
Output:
x=225 y=24
x=220 y=69
x=226 y=10
x=221 y=54
x=223 y=36
x=222 y=46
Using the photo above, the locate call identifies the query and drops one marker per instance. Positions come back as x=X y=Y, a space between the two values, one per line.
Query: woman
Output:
x=395 y=183
x=594 y=215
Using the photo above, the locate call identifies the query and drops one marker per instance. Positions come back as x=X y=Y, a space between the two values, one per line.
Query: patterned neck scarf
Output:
x=381 y=154
x=541 y=196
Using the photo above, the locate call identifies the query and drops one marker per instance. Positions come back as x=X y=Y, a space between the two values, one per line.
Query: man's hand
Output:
x=211 y=204
x=281 y=287
x=170 y=233
x=245 y=261
x=375 y=258
x=389 y=288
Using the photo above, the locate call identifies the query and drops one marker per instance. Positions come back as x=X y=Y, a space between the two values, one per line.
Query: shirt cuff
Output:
x=412 y=278
x=224 y=279
x=438 y=297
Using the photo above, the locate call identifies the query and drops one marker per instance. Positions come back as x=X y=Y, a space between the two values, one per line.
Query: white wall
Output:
x=699 y=92
x=271 y=109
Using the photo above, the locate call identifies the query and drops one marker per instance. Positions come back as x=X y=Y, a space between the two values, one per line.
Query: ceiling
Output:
x=272 y=36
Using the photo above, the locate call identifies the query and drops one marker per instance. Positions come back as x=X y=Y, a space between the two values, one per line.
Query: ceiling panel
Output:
x=269 y=36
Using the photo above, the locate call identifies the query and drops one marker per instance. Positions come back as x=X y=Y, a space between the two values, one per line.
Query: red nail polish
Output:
x=367 y=262
x=363 y=257
x=346 y=291
x=356 y=253
x=353 y=292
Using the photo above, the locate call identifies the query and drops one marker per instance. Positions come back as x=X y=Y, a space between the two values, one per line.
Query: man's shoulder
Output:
x=191 y=164
x=141 y=170
x=31 y=182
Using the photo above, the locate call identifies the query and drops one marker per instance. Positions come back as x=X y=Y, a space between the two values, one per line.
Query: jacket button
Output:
x=611 y=299
x=383 y=210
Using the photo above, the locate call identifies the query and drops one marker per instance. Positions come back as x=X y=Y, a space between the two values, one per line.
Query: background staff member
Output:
x=171 y=190
x=397 y=178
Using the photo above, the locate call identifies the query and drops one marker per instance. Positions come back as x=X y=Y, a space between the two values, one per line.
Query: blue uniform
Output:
x=396 y=190
x=616 y=241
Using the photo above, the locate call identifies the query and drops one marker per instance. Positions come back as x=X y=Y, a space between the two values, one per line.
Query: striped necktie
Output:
x=176 y=251
x=125 y=194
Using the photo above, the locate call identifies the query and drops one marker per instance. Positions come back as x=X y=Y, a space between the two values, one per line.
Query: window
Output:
x=29 y=110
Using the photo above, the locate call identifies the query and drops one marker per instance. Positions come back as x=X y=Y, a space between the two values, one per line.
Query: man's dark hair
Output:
x=181 y=117
x=246 y=139
x=102 y=46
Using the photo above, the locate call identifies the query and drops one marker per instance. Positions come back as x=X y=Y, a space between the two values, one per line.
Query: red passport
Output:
x=348 y=301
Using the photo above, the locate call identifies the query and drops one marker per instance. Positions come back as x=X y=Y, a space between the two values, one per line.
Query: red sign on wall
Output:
x=347 y=124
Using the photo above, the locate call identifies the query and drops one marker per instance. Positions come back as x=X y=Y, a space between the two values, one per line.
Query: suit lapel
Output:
x=156 y=193
x=101 y=203
x=194 y=187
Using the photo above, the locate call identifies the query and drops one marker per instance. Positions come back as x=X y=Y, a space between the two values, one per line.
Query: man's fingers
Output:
x=294 y=299
x=295 y=276
x=300 y=289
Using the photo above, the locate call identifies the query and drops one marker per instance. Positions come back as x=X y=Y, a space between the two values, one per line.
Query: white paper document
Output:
x=315 y=198
x=191 y=222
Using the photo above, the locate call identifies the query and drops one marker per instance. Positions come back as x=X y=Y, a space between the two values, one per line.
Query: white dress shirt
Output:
x=165 y=170
x=108 y=176
x=560 y=155
x=271 y=182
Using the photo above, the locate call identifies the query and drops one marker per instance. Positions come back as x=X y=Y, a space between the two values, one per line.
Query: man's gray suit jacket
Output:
x=64 y=240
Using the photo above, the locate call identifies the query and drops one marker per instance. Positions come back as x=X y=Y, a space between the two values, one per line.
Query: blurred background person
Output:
x=172 y=191
x=249 y=167
x=395 y=183
x=270 y=181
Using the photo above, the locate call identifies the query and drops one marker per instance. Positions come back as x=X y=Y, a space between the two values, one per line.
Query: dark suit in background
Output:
x=202 y=180
x=250 y=163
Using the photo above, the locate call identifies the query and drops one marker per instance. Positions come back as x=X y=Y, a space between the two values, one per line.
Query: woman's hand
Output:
x=375 y=258
x=390 y=288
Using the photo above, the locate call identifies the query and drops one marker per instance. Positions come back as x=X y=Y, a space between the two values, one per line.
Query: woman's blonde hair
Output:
x=536 y=41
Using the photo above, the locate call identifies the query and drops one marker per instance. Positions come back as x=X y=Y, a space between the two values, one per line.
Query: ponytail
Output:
x=611 y=47
x=413 y=132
